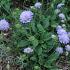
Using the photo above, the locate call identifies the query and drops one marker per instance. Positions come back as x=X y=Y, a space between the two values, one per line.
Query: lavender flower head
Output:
x=61 y=31
x=63 y=38
x=62 y=16
x=38 y=5
x=69 y=34
x=26 y=16
x=67 y=47
x=62 y=35
x=4 y=25
x=60 y=5
x=28 y=50
x=59 y=50
x=59 y=27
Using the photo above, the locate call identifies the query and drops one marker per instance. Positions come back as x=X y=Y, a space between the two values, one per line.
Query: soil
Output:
x=21 y=4
x=62 y=63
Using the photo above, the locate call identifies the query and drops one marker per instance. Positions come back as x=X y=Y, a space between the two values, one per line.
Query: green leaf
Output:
x=53 y=57
x=46 y=23
x=33 y=27
x=39 y=51
x=18 y=26
x=23 y=57
x=33 y=41
x=37 y=68
x=46 y=36
x=40 y=28
x=22 y=43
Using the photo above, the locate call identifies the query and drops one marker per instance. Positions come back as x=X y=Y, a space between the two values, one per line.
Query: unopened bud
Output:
x=8 y=66
x=53 y=36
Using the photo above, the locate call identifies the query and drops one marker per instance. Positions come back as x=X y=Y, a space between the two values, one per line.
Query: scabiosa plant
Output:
x=67 y=47
x=26 y=16
x=28 y=50
x=62 y=35
x=62 y=16
x=4 y=25
x=59 y=50
x=38 y=5
x=60 y=5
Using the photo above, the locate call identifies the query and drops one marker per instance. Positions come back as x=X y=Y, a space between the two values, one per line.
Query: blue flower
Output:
x=38 y=5
x=59 y=50
x=62 y=35
x=69 y=34
x=26 y=16
x=4 y=25
x=67 y=47
x=62 y=16
x=28 y=50
x=63 y=38
x=61 y=31
x=60 y=5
